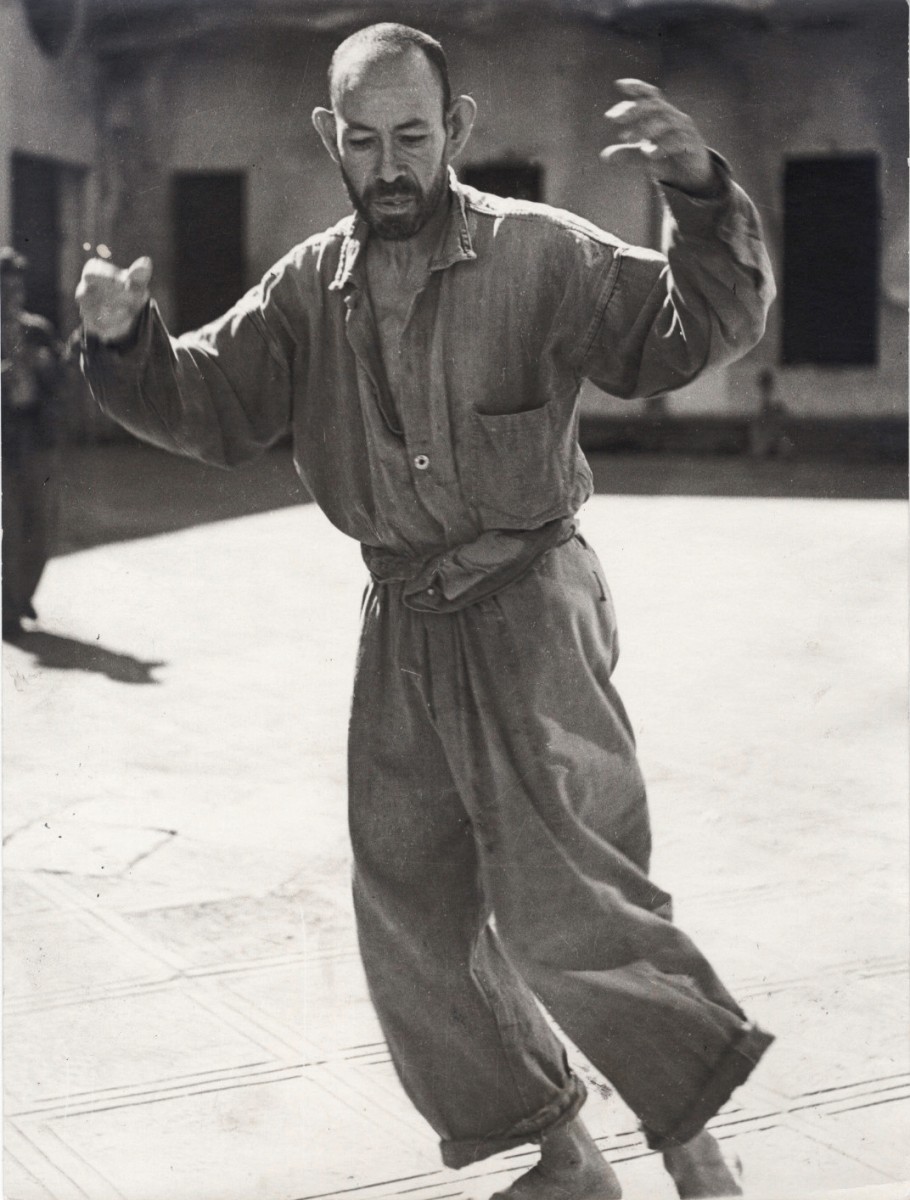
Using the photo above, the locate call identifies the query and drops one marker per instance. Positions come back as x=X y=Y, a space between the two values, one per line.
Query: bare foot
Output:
x=699 y=1169
x=570 y=1168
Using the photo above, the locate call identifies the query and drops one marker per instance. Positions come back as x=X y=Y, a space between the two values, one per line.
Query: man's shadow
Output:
x=59 y=653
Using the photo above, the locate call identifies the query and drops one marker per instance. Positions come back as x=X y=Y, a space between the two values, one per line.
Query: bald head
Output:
x=393 y=128
x=379 y=44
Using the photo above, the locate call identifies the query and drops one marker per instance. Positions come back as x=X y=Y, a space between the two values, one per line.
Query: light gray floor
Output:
x=186 y=1016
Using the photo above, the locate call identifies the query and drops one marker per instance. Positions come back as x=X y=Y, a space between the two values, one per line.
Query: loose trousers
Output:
x=501 y=846
x=30 y=501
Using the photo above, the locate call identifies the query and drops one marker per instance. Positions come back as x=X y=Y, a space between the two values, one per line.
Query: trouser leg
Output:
x=470 y=1045
x=13 y=543
x=39 y=518
x=543 y=755
x=29 y=511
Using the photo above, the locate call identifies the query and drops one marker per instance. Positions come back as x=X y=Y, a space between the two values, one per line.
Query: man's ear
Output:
x=327 y=128
x=459 y=123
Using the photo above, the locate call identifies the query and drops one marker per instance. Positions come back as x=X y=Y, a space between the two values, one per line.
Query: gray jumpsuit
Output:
x=497 y=812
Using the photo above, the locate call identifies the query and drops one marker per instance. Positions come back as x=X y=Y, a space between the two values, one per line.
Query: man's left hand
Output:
x=673 y=148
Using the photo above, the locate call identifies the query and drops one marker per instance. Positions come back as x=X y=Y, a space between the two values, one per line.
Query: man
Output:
x=427 y=355
x=31 y=382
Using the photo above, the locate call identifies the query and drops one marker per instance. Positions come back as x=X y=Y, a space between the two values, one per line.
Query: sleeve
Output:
x=662 y=319
x=53 y=381
x=221 y=394
x=49 y=357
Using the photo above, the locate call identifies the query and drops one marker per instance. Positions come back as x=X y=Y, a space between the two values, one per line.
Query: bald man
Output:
x=426 y=354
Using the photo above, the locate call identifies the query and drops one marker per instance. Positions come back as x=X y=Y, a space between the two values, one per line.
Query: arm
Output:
x=221 y=394
x=50 y=366
x=664 y=318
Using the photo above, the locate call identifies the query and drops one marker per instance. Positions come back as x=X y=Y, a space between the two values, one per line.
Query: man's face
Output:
x=391 y=142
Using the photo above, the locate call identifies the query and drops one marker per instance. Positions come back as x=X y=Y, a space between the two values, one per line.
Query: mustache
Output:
x=381 y=190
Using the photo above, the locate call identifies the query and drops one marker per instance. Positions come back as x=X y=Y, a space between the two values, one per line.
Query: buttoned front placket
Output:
x=418 y=417
x=360 y=329
x=423 y=402
x=425 y=415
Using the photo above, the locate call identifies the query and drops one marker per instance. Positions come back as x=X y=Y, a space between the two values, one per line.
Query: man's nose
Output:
x=389 y=168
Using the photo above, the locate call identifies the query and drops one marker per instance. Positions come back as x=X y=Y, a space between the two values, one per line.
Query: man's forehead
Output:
x=376 y=82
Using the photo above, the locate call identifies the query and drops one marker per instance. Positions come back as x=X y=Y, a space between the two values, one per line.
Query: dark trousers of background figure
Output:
x=493 y=774
x=30 y=512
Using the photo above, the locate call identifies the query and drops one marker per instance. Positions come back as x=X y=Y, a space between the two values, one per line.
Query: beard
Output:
x=410 y=206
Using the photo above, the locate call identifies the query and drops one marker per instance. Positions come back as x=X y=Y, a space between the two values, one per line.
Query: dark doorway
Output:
x=36 y=231
x=831 y=261
x=209 y=220
x=53 y=23
x=521 y=181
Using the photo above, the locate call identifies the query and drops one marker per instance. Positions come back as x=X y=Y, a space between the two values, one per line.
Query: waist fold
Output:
x=466 y=574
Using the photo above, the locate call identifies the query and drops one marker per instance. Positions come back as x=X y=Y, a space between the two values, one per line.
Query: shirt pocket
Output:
x=516 y=470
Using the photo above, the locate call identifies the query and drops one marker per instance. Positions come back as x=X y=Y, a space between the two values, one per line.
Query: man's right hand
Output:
x=110 y=299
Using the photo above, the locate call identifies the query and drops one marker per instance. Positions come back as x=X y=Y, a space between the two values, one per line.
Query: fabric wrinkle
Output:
x=491 y=764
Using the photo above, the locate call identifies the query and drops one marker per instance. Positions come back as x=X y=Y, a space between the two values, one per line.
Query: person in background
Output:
x=768 y=428
x=33 y=375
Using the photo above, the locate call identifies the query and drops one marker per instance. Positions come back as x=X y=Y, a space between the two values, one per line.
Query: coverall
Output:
x=497 y=812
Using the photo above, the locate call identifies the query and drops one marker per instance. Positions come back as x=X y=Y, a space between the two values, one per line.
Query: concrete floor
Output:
x=185 y=1014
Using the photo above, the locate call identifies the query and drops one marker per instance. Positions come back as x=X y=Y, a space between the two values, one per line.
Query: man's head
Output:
x=13 y=267
x=393 y=127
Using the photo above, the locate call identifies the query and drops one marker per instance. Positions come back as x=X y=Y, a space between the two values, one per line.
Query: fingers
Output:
x=658 y=144
x=648 y=116
x=667 y=138
x=98 y=270
x=139 y=274
x=110 y=298
x=637 y=87
x=646 y=148
x=620 y=111
x=100 y=276
x=648 y=125
x=653 y=132
x=95 y=272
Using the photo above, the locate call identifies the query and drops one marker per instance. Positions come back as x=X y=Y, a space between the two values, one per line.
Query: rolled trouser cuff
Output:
x=733 y=1068
x=560 y=1110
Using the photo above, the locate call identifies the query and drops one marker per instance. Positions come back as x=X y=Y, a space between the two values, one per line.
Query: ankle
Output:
x=568 y=1145
x=700 y=1169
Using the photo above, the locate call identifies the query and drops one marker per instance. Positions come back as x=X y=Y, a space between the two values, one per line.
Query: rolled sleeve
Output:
x=701 y=303
x=221 y=394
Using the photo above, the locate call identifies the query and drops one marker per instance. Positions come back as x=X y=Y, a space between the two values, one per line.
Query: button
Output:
x=431 y=591
x=421 y=462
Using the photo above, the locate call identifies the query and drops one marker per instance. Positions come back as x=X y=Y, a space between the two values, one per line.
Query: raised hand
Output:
x=110 y=299
x=669 y=140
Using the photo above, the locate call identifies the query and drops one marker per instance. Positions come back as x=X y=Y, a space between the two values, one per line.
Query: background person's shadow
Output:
x=61 y=653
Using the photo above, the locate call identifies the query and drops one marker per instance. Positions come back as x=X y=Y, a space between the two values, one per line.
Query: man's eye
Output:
x=413 y=139
x=360 y=143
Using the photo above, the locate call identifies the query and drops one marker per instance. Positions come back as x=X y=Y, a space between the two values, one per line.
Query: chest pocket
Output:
x=519 y=464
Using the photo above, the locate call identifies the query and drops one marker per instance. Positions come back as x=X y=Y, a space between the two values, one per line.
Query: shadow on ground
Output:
x=53 y=651
x=643 y=474
x=115 y=492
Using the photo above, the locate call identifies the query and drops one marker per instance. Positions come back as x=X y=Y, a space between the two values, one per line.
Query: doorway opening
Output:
x=209 y=223
x=521 y=181
x=830 y=292
x=48 y=220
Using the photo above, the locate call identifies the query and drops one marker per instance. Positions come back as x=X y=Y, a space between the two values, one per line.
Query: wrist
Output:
x=699 y=180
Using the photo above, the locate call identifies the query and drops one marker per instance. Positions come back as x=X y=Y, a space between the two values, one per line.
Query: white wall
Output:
x=47 y=109
x=830 y=90
x=243 y=102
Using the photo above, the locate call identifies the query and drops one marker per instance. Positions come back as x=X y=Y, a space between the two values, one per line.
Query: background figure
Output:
x=32 y=380
x=767 y=430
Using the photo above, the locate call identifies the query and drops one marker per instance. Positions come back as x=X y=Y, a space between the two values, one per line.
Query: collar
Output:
x=455 y=245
